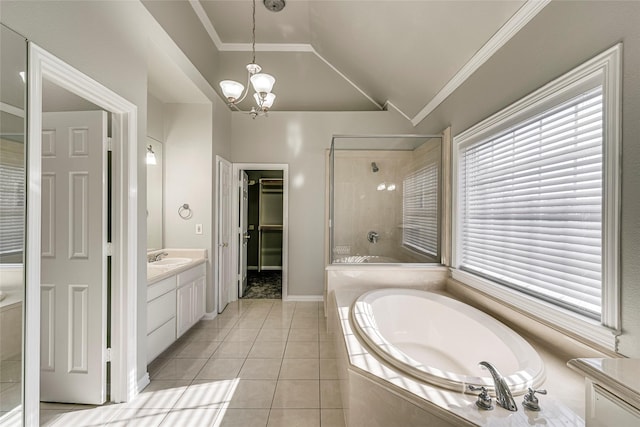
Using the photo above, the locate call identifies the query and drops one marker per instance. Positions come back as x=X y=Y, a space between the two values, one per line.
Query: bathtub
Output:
x=440 y=341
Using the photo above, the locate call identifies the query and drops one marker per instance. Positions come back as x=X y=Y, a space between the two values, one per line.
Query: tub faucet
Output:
x=373 y=237
x=503 y=394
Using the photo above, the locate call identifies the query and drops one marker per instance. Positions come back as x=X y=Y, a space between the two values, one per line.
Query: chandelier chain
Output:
x=253 y=34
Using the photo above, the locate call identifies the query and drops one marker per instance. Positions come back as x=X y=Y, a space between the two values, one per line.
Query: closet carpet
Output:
x=264 y=285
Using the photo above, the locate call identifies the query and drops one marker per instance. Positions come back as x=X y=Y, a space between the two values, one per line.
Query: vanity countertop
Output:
x=620 y=375
x=156 y=273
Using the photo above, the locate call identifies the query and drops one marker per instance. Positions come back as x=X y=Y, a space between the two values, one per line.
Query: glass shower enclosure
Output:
x=385 y=199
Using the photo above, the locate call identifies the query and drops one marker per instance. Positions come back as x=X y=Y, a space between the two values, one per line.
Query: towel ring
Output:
x=184 y=211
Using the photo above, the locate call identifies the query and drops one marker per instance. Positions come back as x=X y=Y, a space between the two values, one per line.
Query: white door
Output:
x=225 y=231
x=243 y=233
x=74 y=260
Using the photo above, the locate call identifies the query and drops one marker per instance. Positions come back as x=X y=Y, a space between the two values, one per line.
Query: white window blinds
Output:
x=12 y=210
x=531 y=205
x=420 y=210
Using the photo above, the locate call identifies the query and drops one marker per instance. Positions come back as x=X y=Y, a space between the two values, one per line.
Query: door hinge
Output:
x=107 y=355
x=109 y=144
x=109 y=249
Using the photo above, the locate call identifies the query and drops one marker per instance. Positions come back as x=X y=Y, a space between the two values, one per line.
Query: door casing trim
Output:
x=235 y=203
x=124 y=373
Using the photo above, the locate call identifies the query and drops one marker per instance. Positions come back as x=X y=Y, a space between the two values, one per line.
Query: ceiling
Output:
x=356 y=55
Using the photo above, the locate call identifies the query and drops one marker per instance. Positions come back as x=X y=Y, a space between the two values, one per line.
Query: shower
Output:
x=385 y=213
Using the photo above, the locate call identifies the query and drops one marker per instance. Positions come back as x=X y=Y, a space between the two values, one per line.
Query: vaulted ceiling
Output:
x=347 y=55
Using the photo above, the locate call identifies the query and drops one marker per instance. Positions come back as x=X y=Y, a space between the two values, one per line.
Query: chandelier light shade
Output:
x=262 y=83
x=267 y=102
x=232 y=90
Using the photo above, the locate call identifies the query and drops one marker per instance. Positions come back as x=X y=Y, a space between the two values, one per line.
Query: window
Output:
x=12 y=208
x=420 y=210
x=537 y=196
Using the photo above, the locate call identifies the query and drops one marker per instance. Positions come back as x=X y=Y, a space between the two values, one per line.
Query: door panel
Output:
x=225 y=227
x=73 y=269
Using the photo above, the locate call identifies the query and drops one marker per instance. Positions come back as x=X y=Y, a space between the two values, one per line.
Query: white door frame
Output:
x=216 y=246
x=124 y=373
x=237 y=168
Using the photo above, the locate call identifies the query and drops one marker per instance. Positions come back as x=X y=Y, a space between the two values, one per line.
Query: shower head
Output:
x=374 y=167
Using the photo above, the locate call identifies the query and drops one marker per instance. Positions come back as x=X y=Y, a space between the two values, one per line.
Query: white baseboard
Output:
x=210 y=316
x=143 y=382
x=303 y=298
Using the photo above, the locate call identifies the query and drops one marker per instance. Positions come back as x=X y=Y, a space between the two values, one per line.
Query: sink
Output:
x=171 y=261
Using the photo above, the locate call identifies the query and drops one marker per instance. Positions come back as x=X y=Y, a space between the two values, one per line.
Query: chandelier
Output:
x=262 y=83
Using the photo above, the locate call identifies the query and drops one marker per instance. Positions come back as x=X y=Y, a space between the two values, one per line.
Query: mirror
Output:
x=155 y=191
x=12 y=221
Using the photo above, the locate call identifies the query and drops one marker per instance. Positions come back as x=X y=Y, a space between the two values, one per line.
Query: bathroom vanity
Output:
x=612 y=390
x=175 y=297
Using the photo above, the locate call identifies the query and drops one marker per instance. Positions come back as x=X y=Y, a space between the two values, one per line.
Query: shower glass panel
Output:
x=385 y=199
x=13 y=67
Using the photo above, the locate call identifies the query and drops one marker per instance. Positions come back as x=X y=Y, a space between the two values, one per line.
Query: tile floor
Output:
x=259 y=363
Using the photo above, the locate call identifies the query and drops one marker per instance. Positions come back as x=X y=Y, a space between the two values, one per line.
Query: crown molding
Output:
x=525 y=14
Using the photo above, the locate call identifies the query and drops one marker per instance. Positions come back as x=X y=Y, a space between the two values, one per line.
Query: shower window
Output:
x=12 y=202
x=420 y=210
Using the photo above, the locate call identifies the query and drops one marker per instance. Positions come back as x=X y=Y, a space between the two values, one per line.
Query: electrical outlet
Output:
x=198 y=228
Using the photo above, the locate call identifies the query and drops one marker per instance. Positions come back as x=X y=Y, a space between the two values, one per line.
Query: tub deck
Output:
x=371 y=390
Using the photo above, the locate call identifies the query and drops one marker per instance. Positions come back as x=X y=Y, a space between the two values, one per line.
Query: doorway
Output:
x=261 y=224
x=260 y=207
x=45 y=68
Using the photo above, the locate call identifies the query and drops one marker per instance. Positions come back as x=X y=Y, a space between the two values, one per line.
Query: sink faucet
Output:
x=157 y=257
x=503 y=394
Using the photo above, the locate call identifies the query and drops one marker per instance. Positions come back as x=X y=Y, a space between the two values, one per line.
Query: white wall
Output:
x=188 y=178
x=107 y=41
x=301 y=140
x=155 y=118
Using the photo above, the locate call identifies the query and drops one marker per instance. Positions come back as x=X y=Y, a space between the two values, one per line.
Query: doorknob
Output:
x=246 y=236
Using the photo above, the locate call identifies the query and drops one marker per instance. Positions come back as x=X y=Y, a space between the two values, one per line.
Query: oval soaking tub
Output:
x=441 y=341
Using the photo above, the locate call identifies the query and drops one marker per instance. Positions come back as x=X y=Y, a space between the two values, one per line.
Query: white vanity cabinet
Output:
x=161 y=316
x=174 y=304
x=604 y=408
x=190 y=298
x=612 y=391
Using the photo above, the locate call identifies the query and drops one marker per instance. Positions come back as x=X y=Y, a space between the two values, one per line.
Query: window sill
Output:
x=580 y=327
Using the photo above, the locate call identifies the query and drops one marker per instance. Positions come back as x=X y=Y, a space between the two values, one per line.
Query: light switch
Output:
x=198 y=228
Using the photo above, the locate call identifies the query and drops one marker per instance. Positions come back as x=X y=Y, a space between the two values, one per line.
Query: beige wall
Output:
x=301 y=140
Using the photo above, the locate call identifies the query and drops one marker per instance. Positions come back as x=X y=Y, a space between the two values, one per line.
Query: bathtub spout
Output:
x=503 y=394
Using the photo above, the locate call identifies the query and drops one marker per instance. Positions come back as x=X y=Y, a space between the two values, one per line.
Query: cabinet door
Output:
x=605 y=409
x=199 y=299
x=184 y=312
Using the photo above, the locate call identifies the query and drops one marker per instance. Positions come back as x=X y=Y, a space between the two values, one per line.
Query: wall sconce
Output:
x=151 y=156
